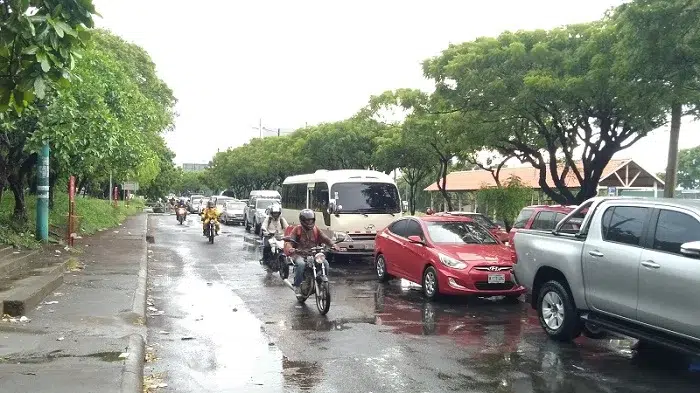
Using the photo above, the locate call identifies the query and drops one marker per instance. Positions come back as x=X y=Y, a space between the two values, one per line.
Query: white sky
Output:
x=231 y=63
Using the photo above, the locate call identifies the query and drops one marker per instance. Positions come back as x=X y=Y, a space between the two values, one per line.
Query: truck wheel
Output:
x=557 y=313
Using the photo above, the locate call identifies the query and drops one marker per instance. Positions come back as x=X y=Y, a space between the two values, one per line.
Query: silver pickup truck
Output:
x=630 y=266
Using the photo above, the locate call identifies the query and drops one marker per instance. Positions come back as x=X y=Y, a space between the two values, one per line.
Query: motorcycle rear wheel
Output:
x=323 y=299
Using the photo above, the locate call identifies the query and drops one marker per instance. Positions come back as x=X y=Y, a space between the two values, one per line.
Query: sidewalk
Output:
x=74 y=340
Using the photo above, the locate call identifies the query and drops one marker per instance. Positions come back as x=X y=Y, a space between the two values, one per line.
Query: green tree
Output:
x=545 y=97
x=39 y=43
x=659 y=46
x=506 y=201
x=689 y=168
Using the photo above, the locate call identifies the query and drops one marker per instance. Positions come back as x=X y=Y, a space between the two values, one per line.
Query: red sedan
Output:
x=446 y=255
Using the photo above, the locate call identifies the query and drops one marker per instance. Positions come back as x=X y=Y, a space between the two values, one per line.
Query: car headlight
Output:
x=341 y=237
x=451 y=262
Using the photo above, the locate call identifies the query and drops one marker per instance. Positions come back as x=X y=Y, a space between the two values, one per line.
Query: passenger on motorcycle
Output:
x=208 y=214
x=274 y=224
x=180 y=204
x=306 y=236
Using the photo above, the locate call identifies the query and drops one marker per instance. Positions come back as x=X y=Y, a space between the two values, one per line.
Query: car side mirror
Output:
x=416 y=240
x=691 y=249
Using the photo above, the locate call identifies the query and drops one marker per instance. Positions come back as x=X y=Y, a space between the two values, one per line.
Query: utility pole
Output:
x=260 y=127
x=42 y=202
x=278 y=132
x=109 y=191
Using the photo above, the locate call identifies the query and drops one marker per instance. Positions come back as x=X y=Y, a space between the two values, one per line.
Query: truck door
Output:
x=669 y=282
x=611 y=256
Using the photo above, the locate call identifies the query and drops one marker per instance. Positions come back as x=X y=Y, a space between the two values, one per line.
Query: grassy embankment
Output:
x=94 y=215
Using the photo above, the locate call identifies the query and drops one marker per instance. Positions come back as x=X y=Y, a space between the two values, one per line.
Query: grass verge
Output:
x=93 y=215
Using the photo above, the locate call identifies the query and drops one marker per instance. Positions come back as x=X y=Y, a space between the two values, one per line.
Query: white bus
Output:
x=350 y=204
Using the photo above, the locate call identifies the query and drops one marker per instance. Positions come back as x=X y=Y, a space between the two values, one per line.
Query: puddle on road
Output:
x=106 y=356
x=304 y=375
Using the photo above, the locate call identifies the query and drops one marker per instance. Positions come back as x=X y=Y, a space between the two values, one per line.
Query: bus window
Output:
x=378 y=198
x=319 y=201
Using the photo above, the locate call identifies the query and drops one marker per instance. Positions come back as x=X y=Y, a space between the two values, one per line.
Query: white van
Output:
x=350 y=205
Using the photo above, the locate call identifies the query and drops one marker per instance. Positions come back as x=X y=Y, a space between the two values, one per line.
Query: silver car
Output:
x=632 y=266
x=233 y=213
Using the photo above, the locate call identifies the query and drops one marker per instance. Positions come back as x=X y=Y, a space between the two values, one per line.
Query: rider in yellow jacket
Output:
x=208 y=214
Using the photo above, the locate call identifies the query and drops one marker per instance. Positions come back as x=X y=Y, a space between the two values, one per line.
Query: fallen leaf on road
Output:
x=58 y=294
x=209 y=283
x=60 y=339
x=163 y=332
x=24 y=319
x=153 y=382
x=51 y=302
x=187 y=338
x=116 y=231
x=151 y=308
x=235 y=309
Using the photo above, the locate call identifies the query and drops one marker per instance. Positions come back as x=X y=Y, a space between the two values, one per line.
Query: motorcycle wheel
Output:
x=212 y=233
x=284 y=268
x=323 y=299
x=181 y=220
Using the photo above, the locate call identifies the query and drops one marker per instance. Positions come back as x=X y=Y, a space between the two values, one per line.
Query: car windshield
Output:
x=459 y=232
x=264 y=203
x=235 y=205
x=482 y=220
x=366 y=198
x=222 y=202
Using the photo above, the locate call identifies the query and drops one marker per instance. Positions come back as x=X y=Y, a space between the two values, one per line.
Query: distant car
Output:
x=539 y=218
x=195 y=203
x=495 y=229
x=447 y=255
x=203 y=205
x=233 y=213
x=220 y=202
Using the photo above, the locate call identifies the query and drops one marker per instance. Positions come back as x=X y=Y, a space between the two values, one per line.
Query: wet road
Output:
x=219 y=324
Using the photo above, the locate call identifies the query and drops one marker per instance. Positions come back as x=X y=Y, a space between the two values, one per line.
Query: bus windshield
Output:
x=366 y=198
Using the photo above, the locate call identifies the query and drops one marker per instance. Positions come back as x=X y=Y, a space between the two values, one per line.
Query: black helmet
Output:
x=210 y=204
x=307 y=218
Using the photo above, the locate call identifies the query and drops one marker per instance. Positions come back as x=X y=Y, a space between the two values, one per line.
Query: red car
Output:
x=496 y=230
x=447 y=255
x=539 y=217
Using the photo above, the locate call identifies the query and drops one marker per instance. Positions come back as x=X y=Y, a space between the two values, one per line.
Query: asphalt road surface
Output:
x=219 y=323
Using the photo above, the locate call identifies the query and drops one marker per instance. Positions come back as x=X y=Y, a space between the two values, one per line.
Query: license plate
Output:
x=497 y=278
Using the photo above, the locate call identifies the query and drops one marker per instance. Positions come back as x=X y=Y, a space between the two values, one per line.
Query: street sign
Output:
x=612 y=191
x=130 y=186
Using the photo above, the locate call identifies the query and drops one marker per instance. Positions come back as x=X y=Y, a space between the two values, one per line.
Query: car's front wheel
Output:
x=430 y=283
x=557 y=312
x=380 y=265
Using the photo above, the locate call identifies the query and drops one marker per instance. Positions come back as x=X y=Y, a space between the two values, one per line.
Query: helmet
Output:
x=276 y=210
x=307 y=218
x=210 y=204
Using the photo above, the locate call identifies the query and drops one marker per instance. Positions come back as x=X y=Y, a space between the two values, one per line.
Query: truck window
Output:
x=544 y=221
x=673 y=229
x=523 y=218
x=624 y=224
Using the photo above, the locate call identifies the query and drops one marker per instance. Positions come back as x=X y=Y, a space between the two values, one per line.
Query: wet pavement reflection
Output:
x=223 y=325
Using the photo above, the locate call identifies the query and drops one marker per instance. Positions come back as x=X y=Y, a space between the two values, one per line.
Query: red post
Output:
x=71 y=210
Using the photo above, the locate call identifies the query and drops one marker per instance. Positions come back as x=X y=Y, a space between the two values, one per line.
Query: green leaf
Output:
x=45 y=66
x=40 y=87
x=66 y=28
x=59 y=30
x=30 y=50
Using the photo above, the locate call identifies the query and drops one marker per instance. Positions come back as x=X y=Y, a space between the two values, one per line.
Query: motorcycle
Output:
x=181 y=214
x=315 y=279
x=211 y=231
x=278 y=261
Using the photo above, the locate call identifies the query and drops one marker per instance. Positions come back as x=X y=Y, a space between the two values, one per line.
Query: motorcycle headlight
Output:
x=451 y=262
x=320 y=257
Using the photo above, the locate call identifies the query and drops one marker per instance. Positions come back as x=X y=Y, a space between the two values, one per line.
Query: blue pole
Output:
x=42 y=198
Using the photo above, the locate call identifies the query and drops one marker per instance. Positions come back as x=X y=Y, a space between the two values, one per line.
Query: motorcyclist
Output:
x=208 y=214
x=274 y=224
x=180 y=204
x=306 y=236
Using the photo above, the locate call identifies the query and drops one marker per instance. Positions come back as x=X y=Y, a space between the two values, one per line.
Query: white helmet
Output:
x=276 y=210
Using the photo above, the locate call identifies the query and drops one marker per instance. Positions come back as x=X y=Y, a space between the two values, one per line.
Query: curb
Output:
x=132 y=374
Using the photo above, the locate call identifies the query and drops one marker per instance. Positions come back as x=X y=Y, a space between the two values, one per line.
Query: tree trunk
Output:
x=672 y=164
x=442 y=183
x=17 y=186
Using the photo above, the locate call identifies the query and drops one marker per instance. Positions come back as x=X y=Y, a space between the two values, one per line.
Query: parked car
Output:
x=203 y=205
x=539 y=217
x=233 y=213
x=446 y=255
x=632 y=267
x=496 y=230
x=220 y=202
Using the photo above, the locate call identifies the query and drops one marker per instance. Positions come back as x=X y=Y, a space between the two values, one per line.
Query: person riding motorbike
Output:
x=208 y=214
x=306 y=236
x=274 y=224
x=180 y=204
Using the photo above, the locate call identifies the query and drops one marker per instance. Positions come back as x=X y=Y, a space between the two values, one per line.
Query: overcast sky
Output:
x=231 y=63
